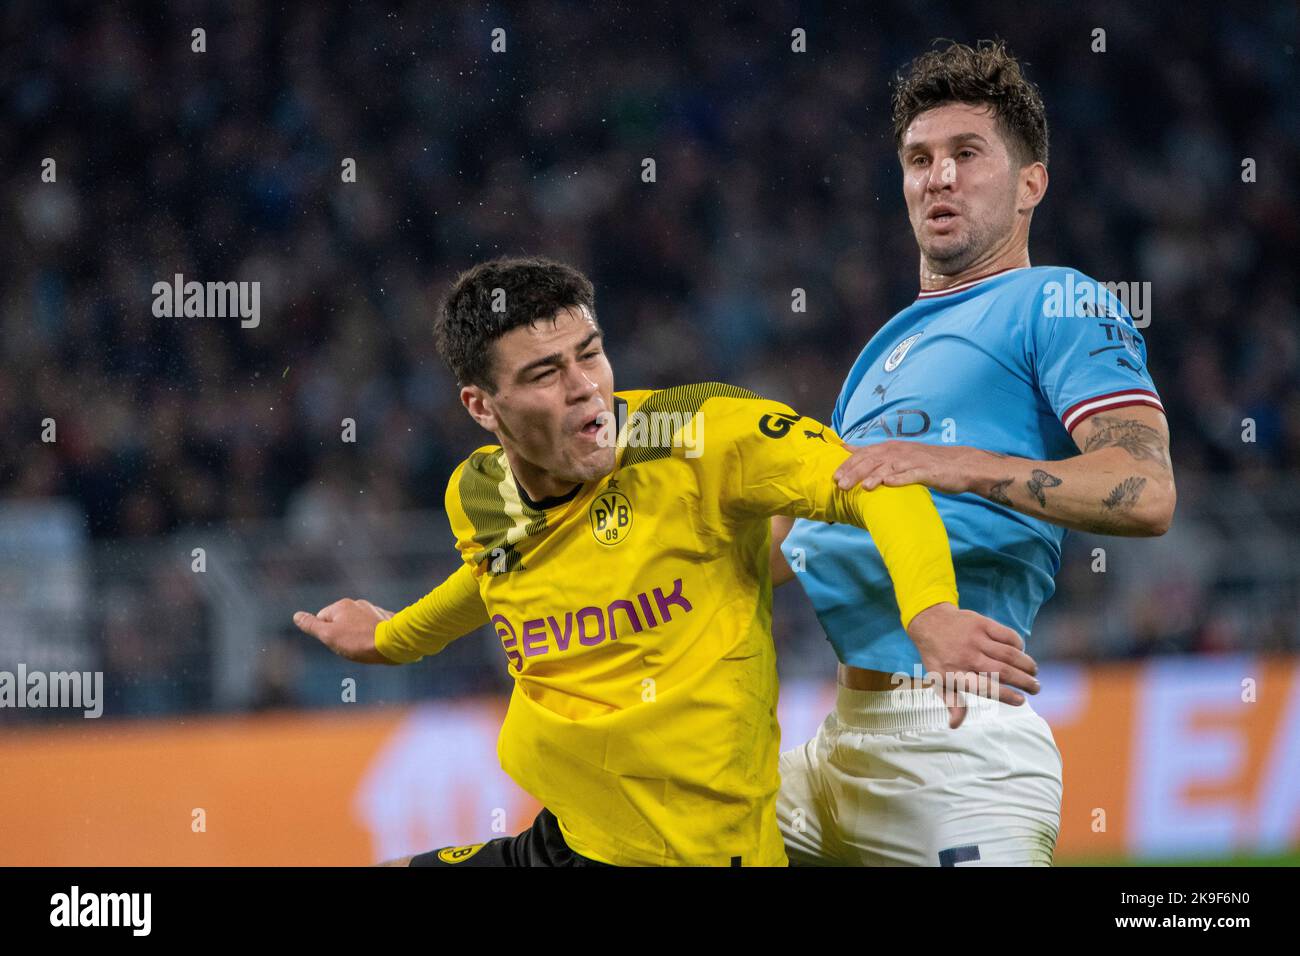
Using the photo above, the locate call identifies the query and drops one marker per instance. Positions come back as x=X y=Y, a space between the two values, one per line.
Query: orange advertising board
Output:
x=1180 y=756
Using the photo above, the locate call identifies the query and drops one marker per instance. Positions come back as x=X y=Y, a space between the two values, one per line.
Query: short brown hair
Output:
x=532 y=289
x=986 y=74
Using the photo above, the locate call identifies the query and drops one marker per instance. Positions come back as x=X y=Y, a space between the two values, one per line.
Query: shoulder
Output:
x=476 y=481
x=665 y=411
x=1065 y=285
x=1035 y=282
x=486 y=461
x=692 y=398
x=1037 y=275
x=717 y=402
x=678 y=421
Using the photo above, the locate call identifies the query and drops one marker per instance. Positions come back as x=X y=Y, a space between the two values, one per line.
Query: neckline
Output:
x=969 y=283
x=545 y=503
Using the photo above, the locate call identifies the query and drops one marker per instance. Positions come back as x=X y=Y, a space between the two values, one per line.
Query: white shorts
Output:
x=886 y=782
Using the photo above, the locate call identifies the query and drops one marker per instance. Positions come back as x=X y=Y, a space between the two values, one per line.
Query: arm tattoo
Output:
x=998 y=492
x=1124 y=495
x=1141 y=441
x=1038 y=481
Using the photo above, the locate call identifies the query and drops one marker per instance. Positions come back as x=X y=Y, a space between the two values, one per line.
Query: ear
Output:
x=1032 y=187
x=478 y=402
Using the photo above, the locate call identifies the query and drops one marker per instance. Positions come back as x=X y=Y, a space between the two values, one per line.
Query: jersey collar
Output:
x=962 y=287
x=553 y=502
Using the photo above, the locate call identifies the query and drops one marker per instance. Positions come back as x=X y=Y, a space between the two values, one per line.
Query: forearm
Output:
x=909 y=534
x=782 y=573
x=1106 y=491
x=451 y=610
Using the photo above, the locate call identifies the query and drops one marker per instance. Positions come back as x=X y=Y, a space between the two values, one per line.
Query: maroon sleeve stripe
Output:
x=1101 y=403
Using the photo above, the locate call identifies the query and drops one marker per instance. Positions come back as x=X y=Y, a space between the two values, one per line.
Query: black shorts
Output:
x=542 y=844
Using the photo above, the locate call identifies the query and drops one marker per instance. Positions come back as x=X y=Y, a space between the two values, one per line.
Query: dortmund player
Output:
x=620 y=543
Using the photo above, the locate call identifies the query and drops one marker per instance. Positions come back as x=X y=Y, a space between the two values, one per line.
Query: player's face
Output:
x=553 y=381
x=960 y=182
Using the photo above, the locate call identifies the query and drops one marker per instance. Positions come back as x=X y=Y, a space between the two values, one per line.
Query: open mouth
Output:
x=940 y=213
x=591 y=427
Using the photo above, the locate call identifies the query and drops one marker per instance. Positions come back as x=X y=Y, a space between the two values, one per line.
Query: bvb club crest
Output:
x=459 y=854
x=611 y=515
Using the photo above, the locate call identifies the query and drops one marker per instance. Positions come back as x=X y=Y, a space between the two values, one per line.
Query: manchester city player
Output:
x=1021 y=397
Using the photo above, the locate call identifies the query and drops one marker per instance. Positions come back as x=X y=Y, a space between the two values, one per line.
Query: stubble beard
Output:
x=950 y=259
x=594 y=466
x=978 y=239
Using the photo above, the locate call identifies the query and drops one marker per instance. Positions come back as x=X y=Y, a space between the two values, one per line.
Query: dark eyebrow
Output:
x=556 y=358
x=952 y=140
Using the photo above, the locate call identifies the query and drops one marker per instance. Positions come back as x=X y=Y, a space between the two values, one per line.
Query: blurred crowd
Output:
x=775 y=170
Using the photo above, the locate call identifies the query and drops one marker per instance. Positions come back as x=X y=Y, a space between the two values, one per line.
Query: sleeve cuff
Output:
x=385 y=645
x=931 y=596
x=1077 y=412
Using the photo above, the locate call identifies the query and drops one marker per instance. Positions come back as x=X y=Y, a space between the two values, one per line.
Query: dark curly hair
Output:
x=986 y=74
x=534 y=288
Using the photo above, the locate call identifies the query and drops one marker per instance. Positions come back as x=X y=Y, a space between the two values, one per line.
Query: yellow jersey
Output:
x=635 y=617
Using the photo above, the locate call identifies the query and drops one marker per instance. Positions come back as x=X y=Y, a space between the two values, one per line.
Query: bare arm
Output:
x=1121 y=484
x=782 y=573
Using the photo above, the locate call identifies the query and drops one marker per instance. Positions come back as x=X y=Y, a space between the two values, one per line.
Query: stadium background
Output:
x=775 y=170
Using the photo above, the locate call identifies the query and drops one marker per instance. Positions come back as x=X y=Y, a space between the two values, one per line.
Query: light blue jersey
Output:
x=1008 y=363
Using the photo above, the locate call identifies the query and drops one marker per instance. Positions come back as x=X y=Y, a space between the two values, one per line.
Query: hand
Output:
x=947 y=468
x=347 y=628
x=968 y=651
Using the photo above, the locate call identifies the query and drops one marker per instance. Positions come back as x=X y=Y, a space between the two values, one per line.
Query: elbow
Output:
x=1157 y=526
x=1159 y=515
